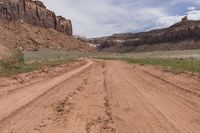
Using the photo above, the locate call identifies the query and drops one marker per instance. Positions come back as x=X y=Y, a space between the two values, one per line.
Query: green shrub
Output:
x=13 y=58
x=18 y=55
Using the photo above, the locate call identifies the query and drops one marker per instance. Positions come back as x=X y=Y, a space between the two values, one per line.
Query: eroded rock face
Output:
x=186 y=30
x=33 y=12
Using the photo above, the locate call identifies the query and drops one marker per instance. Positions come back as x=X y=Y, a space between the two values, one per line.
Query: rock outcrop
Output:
x=186 y=31
x=33 y=12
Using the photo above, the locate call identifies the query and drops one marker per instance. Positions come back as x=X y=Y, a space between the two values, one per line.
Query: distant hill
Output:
x=182 y=35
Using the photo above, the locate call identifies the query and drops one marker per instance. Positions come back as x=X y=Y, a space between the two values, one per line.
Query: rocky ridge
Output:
x=182 y=35
x=35 y=13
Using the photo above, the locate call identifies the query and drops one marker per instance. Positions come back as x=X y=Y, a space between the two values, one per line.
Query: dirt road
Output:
x=105 y=97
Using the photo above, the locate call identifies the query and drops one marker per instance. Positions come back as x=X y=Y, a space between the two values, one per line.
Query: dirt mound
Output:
x=28 y=37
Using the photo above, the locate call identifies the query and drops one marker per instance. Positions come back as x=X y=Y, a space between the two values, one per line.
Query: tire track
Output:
x=63 y=108
x=143 y=104
x=104 y=123
x=178 y=87
x=112 y=97
x=35 y=94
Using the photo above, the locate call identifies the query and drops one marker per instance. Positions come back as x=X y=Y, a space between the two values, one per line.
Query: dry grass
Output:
x=186 y=60
x=178 y=54
x=37 y=60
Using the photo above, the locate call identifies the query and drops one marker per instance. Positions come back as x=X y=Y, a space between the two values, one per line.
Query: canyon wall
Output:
x=182 y=35
x=35 y=13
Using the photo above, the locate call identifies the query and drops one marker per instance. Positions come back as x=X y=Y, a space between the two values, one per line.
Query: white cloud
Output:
x=93 y=18
x=169 y=20
x=194 y=14
x=191 y=8
x=173 y=2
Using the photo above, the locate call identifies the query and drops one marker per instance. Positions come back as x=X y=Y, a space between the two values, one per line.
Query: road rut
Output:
x=105 y=97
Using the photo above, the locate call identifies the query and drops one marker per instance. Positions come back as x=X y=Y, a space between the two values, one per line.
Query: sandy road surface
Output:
x=105 y=97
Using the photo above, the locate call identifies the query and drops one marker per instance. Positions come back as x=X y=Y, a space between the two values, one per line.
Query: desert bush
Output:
x=13 y=58
x=18 y=56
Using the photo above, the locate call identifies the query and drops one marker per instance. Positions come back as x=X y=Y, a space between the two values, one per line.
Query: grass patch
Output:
x=28 y=67
x=46 y=56
x=36 y=61
x=171 y=60
x=176 y=65
x=180 y=60
x=17 y=69
x=170 y=64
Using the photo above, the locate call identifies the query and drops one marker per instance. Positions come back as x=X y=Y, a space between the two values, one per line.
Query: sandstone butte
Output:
x=34 y=12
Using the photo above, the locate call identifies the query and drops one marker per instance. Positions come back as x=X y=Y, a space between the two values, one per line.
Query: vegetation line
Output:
x=17 y=62
x=176 y=65
x=21 y=62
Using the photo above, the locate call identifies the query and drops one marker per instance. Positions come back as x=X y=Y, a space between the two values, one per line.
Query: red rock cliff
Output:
x=33 y=12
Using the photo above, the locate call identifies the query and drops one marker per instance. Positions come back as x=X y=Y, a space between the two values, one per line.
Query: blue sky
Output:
x=95 y=18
